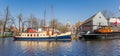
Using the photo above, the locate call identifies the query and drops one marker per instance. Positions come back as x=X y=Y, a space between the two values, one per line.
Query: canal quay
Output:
x=10 y=47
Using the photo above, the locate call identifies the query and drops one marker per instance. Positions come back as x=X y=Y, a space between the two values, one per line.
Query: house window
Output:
x=40 y=35
x=100 y=17
x=99 y=23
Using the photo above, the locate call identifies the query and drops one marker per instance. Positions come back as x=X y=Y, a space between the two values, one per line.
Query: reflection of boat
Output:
x=47 y=34
x=41 y=46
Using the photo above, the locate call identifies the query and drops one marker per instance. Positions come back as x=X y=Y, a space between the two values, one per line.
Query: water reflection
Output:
x=32 y=48
x=8 y=47
x=100 y=48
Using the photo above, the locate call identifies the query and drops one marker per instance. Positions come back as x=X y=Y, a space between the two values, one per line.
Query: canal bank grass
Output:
x=6 y=35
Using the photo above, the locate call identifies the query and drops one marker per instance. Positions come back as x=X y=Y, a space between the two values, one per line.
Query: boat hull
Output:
x=113 y=35
x=66 y=37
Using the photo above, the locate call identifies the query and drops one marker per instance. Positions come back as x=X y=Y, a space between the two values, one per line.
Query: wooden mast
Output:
x=52 y=18
x=45 y=17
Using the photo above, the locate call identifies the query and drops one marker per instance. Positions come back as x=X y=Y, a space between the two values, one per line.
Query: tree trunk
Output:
x=5 y=22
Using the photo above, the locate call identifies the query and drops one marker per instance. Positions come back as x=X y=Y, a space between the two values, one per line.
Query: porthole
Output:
x=27 y=34
x=34 y=35
x=37 y=34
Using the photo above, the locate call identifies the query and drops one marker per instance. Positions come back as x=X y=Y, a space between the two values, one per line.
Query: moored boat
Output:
x=43 y=35
x=102 y=32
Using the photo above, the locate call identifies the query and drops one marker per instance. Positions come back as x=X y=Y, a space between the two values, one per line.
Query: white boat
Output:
x=43 y=35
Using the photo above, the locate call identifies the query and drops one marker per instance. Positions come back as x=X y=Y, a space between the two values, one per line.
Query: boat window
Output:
x=34 y=35
x=27 y=34
x=43 y=34
x=31 y=35
x=40 y=34
x=37 y=34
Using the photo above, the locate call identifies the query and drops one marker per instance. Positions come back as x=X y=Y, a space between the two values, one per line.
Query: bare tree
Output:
x=6 y=19
x=1 y=24
x=61 y=27
x=57 y=25
x=9 y=25
x=33 y=22
x=19 y=21
x=53 y=23
x=108 y=14
x=13 y=27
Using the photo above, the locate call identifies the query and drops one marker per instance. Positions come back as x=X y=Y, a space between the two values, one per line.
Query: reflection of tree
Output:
x=108 y=14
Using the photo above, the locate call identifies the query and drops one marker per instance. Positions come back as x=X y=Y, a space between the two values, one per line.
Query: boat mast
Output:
x=45 y=17
x=52 y=18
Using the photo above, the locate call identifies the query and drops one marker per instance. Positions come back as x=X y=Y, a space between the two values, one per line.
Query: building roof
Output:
x=89 y=19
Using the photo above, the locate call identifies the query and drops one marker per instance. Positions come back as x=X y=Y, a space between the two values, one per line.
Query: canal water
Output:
x=10 y=47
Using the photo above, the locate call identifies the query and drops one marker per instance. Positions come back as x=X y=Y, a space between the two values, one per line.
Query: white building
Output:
x=112 y=20
x=115 y=20
x=94 y=22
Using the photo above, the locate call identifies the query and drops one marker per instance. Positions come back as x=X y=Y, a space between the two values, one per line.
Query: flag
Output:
x=115 y=23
